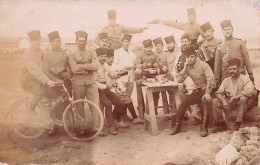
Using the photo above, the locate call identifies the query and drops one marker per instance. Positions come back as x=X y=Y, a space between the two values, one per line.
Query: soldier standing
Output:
x=83 y=66
x=231 y=48
x=115 y=31
x=191 y=27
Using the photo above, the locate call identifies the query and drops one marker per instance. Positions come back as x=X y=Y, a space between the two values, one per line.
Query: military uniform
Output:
x=115 y=34
x=33 y=80
x=83 y=66
x=233 y=48
x=208 y=45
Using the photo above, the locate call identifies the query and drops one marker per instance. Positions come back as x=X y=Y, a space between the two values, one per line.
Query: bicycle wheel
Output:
x=23 y=124
x=84 y=124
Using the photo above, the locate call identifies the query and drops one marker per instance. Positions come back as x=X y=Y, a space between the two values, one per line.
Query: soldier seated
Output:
x=232 y=95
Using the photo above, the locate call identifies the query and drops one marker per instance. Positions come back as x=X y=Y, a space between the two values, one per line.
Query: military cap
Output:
x=206 y=26
x=81 y=34
x=226 y=23
x=191 y=11
x=157 y=41
x=53 y=35
x=185 y=35
x=169 y=39
x=101 y=51
x=34 y=35
x=111 y=14
x=189 y=51
x=127 y=37
x=110 y=52
x=102 y=36
x=234 y=61
x=147 y=43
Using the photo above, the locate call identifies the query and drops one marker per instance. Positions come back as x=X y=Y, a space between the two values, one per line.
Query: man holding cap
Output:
x=115 y=31
x=191 y=27
x=210 y=44
x=203 y=78
x=83 y=66
x=231 y=48
x=33 y=80
x=233 y=94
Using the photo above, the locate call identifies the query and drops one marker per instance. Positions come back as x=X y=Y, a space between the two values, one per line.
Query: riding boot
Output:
x=205 y=120
x=179 y=118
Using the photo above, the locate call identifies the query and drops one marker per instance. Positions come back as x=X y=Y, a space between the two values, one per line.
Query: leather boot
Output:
x=205 y=120
x=177 y=128
x=179 y=118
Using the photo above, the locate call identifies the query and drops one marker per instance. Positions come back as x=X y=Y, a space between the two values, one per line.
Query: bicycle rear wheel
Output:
x=84 y=124
x=23 y=124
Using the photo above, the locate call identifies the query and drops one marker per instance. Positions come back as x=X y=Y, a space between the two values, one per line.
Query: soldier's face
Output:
x=36 y=44
x=233 y=70
x=171 y=46
x=148 y=50
x=125 y=44
x=209 y=34
x=81 y=42
x=112 y=22
x=191 y=59
x=159 y=48
x=103 y=43
x=228 y=32
x=110 y=60
x=192 y=18
x=185 y=43
x=102 y=58
x=55 y=44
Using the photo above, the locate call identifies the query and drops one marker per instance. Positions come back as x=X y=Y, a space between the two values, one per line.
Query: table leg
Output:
x=140 y=101
x=153 y=121
x=165 y=102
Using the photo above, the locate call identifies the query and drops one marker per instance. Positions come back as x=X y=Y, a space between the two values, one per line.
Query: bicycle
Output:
x=75 y=123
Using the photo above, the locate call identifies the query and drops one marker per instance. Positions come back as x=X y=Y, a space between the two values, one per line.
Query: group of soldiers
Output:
x=106 y=75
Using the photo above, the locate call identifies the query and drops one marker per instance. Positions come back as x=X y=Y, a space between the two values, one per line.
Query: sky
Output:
x=17 y=17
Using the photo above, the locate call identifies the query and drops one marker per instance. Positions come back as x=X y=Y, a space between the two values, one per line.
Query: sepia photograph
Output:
x=130 y=82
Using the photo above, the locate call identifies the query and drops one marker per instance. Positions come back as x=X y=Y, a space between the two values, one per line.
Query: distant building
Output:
x=10 y=45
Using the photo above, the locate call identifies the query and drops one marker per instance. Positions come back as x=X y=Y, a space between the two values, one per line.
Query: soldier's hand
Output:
x=207 y=97
x=155 y=21
x=51 y=83
x=251 y=77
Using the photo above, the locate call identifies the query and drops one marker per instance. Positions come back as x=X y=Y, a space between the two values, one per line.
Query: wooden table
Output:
x=149 y=115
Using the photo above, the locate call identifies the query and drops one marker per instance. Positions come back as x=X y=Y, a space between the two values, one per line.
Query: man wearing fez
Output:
x=33 y=80
x=161 y=55
x=188 y=84
x=105 y=95
x=115 y=31
x=191 y=27
x=172 y=51
x=103 y=40
x=83 y=65
x=203 y=78
x=232 y=95
x=231 y=48
x=210 y=44
x=55 y=61
x=124 y=60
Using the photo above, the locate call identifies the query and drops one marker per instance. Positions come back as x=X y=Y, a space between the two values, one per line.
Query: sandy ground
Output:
x=130 y=146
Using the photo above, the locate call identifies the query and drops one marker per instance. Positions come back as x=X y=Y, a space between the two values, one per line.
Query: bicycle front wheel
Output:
x=23 y=123
x=83 y=120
